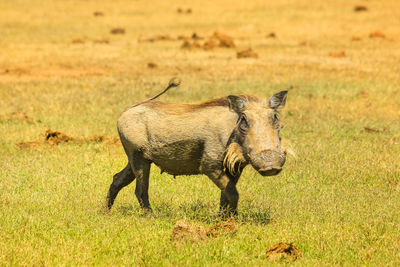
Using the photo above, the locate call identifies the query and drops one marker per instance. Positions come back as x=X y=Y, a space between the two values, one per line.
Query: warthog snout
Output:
x=268 y=162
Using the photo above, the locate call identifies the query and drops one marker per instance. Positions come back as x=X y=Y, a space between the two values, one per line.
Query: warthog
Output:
x=217 y=138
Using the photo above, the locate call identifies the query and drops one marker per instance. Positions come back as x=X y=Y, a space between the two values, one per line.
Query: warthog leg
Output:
x=224 y=208
x=120 y=180
x=229 y=193
x=141 y=170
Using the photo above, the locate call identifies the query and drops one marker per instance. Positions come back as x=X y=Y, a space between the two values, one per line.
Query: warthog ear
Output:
x=237 y=103
x=278 y=100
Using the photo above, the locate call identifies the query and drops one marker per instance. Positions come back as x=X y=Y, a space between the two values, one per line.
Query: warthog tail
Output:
x=174 y=82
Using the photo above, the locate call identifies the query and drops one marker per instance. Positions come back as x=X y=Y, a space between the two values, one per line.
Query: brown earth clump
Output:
x=152 y=65
x=187 y=11
x=27 y=145
x=337 y=54
x=190 y=45
x=224 y=40
x=271 y=35
x=371 y=130
x=101 y=41
x=195 y=36
x=355 y=38
x=377 y=34
x=229 y=226
x=98 y=14
x=55 y=138
x=157 y=38
x=210 y=44
x=184 y=231
x=249 y=53
x=117 y=31
x=78 y=41
x=360 y=8
x=283 y=251
x=17 y=116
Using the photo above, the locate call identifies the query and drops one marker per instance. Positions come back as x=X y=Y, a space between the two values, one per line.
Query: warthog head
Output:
x=256 y=139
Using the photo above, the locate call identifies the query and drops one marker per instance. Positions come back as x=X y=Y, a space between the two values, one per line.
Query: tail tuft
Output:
x=174 y=82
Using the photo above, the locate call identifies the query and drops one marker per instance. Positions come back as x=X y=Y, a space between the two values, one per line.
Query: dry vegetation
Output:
x=73 y=66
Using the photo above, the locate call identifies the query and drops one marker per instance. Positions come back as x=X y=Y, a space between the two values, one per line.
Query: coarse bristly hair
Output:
x=234 y=158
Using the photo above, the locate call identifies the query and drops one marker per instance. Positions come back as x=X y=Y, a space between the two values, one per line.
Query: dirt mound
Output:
x=157 y=38
x=187 y=44
x=27 y=145
x=117 y=31
x=152 y=65
x=98 y=14
x=283 y=251
x=368 y=129
x=55 y=138
x=249 y=53
x=271 y=35
x=184 y=231
x=210 y=44
x=337 y=54
x=377 y=34
x=17 y=116
x=224 y=40
x=360 y=8
x=78 y=41
x=181 y=11
x=229 y=226
x=101 y=41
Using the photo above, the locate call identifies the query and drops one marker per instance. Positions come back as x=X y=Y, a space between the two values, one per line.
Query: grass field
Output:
x=62 y=69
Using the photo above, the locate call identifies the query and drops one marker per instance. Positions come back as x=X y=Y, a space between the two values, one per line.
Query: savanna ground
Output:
x=338 y=202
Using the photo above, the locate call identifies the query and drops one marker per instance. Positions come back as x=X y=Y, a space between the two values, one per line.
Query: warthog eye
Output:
x=243 y=124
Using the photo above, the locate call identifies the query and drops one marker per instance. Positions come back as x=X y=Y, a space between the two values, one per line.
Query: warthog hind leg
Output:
x=120 y=180
x=141 y=170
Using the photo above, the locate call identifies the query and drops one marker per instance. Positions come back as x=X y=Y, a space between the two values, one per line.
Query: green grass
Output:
x=338 y=201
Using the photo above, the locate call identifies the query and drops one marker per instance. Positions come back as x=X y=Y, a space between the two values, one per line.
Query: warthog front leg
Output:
x=224 y=202
x=120 y=180
x=229 y=193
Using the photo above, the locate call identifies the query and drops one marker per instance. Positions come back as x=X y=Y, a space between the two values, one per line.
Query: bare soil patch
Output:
x=183 y=11
x=17 y=116
x=337 y=54
x=98 y=14
x=271 y=35
x=187 y=44
x=224 y=40
x=216 y=40
x=368 y=129
x=55 y=137
x=360 y=8
x=152 y=65
x=157 y=38
x=117 y=31
x=185 y=231
x=52 y=138
x=377 y=34
x=248 y=53
x=283 y=251
x=229 y=226
x=101 y=41
x=78 y=41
